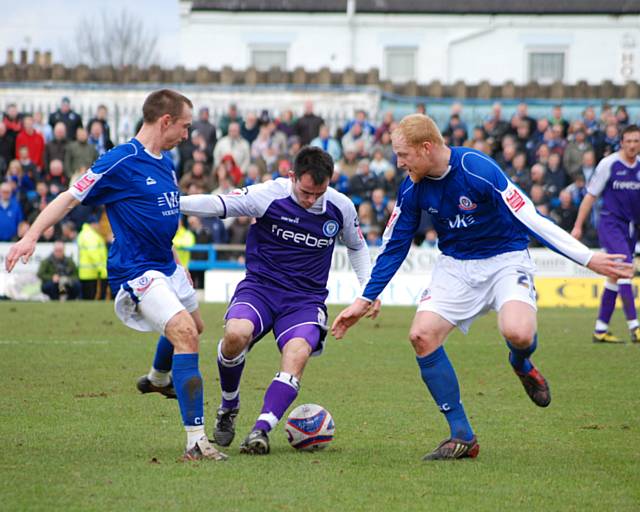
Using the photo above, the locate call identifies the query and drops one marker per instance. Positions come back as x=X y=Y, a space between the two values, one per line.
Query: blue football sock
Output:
x=188 y=383
x=519 y=357
x=164 y=355
x=440 y=377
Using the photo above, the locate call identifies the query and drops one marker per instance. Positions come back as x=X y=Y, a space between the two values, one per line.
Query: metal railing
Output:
x=213 y=261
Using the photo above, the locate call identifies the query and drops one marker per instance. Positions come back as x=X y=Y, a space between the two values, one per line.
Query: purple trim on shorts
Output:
x=246 y=311
x=309 y=331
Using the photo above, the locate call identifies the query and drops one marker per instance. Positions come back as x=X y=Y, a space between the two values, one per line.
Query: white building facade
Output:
x=420 y=46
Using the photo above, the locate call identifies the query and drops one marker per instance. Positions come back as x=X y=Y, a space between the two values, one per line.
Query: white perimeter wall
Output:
x=449 y=48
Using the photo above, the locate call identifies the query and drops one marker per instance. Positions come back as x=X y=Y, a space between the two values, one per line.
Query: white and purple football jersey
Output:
x=288 y=245
x=619 y=185
x=142 y=200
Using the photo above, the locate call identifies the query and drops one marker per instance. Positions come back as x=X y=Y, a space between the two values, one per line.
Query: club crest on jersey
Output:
x=142 y=284
x=330 y=228
x=466 y=204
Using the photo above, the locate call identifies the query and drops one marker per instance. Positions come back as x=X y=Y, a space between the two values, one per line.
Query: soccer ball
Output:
x=309 y=427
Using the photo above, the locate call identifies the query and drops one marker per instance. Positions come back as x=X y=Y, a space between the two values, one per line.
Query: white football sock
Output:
x=194 y=434
x=159 y=378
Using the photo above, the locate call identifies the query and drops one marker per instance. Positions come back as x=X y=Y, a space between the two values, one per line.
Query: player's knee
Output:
x=183 y=333
x=424 y=342
x=519 y=336
x=234 y=342
x=295 y=355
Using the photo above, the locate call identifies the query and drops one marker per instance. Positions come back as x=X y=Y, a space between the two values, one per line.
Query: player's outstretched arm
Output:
x=202 y=205
x=374 y=309
x=350 y=316
x=53 y=213
x=611 y=265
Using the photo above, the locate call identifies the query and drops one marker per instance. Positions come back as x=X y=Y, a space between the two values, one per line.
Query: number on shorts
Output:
x=525 y=280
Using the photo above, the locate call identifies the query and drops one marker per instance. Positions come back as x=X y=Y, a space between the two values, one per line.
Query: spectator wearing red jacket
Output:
x=34 y=141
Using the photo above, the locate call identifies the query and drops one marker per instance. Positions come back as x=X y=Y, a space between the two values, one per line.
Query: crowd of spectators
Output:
x=551 y=158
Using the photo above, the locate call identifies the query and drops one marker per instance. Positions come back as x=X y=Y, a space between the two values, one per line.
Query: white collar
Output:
x=437 y=178
x=317 y=208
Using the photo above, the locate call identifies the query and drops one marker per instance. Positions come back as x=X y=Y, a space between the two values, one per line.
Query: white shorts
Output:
x=461 y=290
x=148 y=302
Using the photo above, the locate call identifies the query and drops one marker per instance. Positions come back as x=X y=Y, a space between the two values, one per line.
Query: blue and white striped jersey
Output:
x=477 y=212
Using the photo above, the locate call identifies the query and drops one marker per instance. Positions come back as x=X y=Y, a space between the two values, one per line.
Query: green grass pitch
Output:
x=76 y=435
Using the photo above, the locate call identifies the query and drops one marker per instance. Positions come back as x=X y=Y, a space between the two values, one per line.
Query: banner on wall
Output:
x=405 y=289
x=574 y=292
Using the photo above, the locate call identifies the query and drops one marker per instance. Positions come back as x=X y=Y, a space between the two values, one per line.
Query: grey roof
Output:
x=615 y=7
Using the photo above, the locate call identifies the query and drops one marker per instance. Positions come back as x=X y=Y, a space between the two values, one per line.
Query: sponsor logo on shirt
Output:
x=239 y=191
x=293 y=220
x=330 y=228
x=296 y=237
x=626 y=185
x=170 y=202
x=85 y=182
x=515 y=199
x=461 y=221
x=466 y=204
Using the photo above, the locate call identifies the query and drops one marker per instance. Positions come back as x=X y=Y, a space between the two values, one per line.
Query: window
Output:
x=265 y=58
x=400 y=63
x=546 y=67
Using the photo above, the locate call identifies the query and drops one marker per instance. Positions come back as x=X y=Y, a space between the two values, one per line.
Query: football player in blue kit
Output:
x=136 y=182
x=483 y=221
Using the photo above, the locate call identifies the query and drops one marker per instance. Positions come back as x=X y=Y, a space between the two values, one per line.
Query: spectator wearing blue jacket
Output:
x=10 y=213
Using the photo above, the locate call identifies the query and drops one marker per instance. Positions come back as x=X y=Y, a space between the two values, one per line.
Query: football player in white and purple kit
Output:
x=483 y=221
x=288 y=257
x=617 y=180
x=137 y=184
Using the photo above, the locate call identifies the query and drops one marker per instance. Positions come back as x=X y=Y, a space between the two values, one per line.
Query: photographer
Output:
x=59 y=275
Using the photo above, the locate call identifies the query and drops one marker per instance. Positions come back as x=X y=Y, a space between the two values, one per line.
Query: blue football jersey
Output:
x=477 y=212
x=142 y=200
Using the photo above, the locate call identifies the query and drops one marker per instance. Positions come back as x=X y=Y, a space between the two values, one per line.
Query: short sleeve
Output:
x=102 y=183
